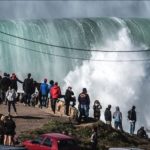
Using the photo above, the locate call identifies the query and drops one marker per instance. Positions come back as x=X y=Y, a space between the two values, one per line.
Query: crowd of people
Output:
x=48 y=94
x=117 y=116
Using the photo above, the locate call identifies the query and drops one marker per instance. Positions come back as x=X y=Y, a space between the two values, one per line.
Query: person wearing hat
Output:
x=132 y=119
x=108 y=115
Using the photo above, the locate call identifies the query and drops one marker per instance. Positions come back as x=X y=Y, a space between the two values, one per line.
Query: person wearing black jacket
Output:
x=142 y=133
x=108 y=115
x=68 y=98
x=9 y=132
x=132 y=119
x=5 y=83
x=27 y=87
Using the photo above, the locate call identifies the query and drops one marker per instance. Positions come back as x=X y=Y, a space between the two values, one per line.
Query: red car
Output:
x=51 y=141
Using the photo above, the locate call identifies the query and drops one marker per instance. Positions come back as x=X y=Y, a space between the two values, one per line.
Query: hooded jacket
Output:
x=84 y=99
x=107 y=114
x=44 y=89
x=117 y=116
x=68 y=95
x=55 y=92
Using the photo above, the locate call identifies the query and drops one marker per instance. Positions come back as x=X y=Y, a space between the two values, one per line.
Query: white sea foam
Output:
x=115 y=83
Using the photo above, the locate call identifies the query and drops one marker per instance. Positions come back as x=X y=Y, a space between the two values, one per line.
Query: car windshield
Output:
x=66 y=144
x=38 y=139
x=47 y=142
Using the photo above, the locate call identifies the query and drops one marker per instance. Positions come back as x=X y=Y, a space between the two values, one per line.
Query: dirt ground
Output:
x=29 y=117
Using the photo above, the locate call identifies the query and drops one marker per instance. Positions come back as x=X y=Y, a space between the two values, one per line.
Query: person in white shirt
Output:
x=11 y=96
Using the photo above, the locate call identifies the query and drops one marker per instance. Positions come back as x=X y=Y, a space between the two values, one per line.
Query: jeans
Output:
x=93 y=146
x=53 y=104
x=118 y=124
x=132 y=127
x=43 y=100
x=27 y=97
x=67 y=104
x=9 y=106
x=84 y=111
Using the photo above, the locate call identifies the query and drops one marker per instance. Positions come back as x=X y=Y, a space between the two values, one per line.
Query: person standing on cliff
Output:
x=84 y=104
x=108 y=115
x=27 y=87
x=68 y=98
x=132 y=119
x=55 y=93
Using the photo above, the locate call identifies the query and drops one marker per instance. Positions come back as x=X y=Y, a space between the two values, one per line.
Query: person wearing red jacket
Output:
x=55 y=93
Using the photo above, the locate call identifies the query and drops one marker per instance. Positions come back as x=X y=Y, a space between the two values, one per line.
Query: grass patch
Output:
x=107 y=136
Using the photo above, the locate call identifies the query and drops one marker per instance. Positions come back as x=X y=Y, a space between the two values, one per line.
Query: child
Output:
x=96 y=107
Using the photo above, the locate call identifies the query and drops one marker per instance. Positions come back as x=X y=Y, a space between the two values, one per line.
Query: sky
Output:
x=48 y=9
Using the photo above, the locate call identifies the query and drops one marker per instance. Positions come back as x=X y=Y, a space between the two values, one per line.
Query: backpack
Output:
x=129 y=114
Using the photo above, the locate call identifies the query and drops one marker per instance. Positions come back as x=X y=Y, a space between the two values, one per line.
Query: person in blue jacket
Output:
x=44 y=93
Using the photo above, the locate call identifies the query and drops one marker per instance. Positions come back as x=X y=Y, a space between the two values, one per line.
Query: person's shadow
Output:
x=27 y=117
